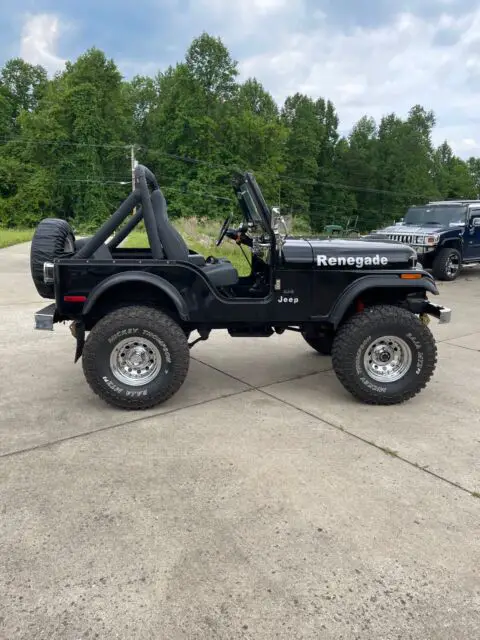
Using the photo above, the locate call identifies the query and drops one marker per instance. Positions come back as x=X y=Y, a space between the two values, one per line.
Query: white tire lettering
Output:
x=420 y=362
x=111 y=385
x=122 y=333
x=372 y=386
x=415 y=341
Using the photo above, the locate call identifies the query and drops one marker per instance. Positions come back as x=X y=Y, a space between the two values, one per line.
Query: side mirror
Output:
x=476 y=222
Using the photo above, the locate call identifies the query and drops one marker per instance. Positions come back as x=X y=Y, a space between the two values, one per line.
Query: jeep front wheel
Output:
x=136 y=358
x=384 y=355
x=447 y=264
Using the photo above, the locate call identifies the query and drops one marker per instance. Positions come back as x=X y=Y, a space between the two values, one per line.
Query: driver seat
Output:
x=220 y=274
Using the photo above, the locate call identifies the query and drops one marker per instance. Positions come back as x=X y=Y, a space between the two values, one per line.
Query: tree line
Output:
x=66 y=145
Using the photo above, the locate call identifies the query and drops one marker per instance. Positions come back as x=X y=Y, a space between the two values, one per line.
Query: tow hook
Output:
x=77 y=329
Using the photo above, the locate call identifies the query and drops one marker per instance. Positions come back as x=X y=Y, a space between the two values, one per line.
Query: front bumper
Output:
x=45 y=318
x=443 y=314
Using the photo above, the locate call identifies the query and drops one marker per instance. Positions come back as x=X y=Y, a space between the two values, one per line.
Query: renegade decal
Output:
x=352 y=261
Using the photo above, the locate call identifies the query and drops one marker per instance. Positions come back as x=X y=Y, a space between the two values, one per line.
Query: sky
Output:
x=368 y=56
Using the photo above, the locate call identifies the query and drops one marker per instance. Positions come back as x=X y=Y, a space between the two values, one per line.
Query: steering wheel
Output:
x=224 y=229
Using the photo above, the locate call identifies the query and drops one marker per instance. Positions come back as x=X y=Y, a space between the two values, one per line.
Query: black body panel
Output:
x=301 y=294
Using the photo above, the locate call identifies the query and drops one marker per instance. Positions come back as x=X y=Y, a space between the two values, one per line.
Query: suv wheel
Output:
x=136 y=358
x=384 y=355
x=447 y=264
x=321 y=343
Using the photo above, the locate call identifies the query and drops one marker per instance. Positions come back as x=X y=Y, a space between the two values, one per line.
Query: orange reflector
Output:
x=411 y=276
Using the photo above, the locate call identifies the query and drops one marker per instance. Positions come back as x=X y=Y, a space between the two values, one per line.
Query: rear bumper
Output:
x=45 y=318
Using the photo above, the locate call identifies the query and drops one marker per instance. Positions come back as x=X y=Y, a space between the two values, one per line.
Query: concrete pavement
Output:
x=262 y=501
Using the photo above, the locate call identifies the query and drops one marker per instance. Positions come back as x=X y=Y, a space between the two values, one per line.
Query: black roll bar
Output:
x=141 y=195
x=141 y=169
x=126 y=229
x=143 y=176
x=109 y=226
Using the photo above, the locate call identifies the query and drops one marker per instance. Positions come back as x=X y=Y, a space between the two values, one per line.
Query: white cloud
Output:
x=239 y=20
x=389 y=68
x=39 y=39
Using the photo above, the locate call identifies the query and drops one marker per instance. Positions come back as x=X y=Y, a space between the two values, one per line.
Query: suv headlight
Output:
x=432 y=240
x=420 y=240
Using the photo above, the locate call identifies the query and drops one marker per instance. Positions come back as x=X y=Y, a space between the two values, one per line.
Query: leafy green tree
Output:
x=210 y=64
x=22 y=85
x=302 y=148
x=329 y=203
x=69 y=145
x=474 y=170
x=453 y=176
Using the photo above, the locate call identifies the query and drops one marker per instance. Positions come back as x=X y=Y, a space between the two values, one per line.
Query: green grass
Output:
x=200 y=236
x=9 y=237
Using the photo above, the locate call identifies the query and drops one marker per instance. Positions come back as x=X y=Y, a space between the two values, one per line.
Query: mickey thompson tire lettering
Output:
x=136 y=321
x=358 y=332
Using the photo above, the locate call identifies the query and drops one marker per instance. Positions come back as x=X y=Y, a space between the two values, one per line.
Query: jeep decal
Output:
x=352 y=261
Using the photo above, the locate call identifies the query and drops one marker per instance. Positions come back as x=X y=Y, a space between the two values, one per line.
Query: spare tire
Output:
x=52 y=239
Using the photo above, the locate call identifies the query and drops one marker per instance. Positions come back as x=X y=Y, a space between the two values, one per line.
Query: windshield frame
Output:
x=252 y=202
x=442 y=215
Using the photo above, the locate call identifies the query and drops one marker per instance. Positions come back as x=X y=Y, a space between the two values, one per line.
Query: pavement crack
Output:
x=447 y=340
x=259 y=387
x=125 y=423
x=460 y=346
x=385 y=450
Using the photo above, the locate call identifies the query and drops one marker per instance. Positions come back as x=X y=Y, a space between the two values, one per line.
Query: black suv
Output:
x=365 y=303
x=445 y=235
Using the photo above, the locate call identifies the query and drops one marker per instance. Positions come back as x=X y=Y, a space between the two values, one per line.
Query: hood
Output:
x=349 y=254
x=416 y=230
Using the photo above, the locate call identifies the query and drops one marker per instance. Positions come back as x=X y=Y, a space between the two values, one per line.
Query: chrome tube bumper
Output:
x=443 y=314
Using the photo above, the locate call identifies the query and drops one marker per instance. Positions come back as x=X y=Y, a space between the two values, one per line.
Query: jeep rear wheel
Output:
x=136 y=358
x=447 y=264
x=384 y=355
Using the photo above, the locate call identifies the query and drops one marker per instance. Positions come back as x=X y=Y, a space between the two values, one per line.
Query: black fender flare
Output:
x=134 y=276
x=376 y=282
x=457 y=242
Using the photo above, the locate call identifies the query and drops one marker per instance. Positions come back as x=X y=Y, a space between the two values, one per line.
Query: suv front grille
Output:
x=400 y=237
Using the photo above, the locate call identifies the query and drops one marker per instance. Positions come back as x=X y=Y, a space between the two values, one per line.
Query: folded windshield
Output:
x=436 y=215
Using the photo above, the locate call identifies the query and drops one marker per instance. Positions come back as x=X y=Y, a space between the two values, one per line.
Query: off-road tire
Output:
x=53 y=238
x=131 y=322
x=440 y=264
x=356 y=334
x=321 y=344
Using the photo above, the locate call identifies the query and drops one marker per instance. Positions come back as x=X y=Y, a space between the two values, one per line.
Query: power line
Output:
x=226 y=168
x=206 y=194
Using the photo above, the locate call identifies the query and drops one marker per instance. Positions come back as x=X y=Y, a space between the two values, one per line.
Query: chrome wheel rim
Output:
x=453 y=265
x=387 y=359
x=135 y=361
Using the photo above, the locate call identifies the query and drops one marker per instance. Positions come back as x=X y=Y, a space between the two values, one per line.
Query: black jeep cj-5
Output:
x=365 y=303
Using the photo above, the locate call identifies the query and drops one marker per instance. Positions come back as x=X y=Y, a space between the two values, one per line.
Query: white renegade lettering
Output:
x=352 y=261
